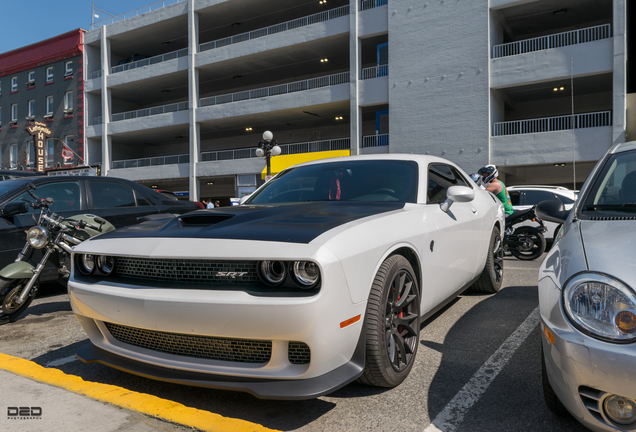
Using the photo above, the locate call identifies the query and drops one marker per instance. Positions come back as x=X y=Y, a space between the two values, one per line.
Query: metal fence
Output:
x=152 y=161
x=289 y=25
x=370 y=4
x=312 y=83
x=573 y=37
x=145 y=112
x=150 y=61
x=133 y=13
x=244 y=153
x=96 y=74
x=552 y=124
x=375 y=72
x=375 y=140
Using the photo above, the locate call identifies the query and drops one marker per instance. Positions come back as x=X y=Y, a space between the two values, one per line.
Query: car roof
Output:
x=421 y=159
x=626 y=146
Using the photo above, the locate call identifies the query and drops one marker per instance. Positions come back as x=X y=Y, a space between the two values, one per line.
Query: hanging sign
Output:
x=40 y=133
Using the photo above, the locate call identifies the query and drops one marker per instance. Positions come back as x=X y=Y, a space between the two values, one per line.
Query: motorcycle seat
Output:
x=521 y=215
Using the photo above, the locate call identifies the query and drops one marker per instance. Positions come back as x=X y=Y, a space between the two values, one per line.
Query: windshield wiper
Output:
x=624 y=206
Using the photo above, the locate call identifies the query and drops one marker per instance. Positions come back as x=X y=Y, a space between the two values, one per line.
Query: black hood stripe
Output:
x=293 y=223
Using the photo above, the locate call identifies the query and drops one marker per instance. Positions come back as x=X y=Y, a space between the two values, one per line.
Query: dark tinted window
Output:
x=361 y=180
x=613 y=190
x=534 y=197
x=141 y=200
x=440 y=178
x=66 y=195
x=565 y=200
x=515 y=197
x=111 y=194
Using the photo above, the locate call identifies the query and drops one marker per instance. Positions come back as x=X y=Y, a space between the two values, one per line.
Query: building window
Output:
x=49 y=106
x=68 y=68
x=14 y=113
x=68 y=102
x=67 y=152
x=31 y=78
x=50 y=153
x=30 y=154
x=14 y=83
x=13 y=156
x=31 y=110
x=49 y=74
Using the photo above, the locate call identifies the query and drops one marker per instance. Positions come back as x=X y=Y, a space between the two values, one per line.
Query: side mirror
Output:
x=552 y=211
x=457 y=194
x=15 y=208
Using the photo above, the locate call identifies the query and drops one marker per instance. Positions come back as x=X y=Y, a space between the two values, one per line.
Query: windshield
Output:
x=7 y=186
x=613 y=191
x=361 y=180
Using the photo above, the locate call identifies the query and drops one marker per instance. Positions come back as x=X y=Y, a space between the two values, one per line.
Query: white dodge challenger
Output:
x=321 y=277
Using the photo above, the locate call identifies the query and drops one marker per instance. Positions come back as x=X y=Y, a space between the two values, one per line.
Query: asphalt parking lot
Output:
x=478 y=369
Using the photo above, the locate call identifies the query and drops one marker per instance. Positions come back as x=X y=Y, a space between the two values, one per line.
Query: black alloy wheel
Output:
x=533 y=246
x=392 y=323
x=491 y=278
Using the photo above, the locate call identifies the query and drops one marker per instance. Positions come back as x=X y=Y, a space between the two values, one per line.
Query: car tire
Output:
x=538 y=240
x=392 y=324
x=551 y=399
x=491 y=277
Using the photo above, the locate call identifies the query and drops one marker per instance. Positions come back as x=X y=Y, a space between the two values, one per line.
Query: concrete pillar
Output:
x=355 y=127
x=193 y=92
x=106 y=103
x=619 y=108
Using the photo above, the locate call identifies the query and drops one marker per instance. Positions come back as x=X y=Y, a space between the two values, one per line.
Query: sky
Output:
x=45 y=19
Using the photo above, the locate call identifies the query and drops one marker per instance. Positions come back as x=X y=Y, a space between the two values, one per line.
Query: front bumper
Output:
x=584 y=371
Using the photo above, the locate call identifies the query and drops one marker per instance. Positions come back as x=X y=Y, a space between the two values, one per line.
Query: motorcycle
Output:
x=524 y=242
x=19 y=281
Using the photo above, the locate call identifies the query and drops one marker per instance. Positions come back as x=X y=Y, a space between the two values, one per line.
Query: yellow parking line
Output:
x=118 y=396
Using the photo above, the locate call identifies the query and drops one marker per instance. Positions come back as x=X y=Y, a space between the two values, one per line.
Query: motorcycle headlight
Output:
x=37 y=237
x=105 y=264
x=306 y=273
x=601 y=306
x=86 y=263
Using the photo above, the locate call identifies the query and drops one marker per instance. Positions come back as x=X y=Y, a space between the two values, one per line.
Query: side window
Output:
x=111 y=195
x=515 y=197
x=534 y=197
x=141 y=200
x=66 y=196
x=461 y=181
x=564 y=200
x=440 y=178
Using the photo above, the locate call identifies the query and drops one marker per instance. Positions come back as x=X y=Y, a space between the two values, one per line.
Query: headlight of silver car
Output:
x=601 y=306
x=37 y=237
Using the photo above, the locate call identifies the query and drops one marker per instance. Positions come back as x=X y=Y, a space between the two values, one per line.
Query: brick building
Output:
x=43 y=82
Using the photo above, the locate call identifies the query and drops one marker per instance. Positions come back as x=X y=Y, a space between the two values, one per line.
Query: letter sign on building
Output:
x=40 y=133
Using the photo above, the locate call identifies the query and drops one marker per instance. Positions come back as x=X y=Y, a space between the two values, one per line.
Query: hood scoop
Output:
x=612 y=218
x=204 y=219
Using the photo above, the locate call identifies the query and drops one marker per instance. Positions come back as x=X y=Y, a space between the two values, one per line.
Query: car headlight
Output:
x=105 y=264
x=601 y=306
x=37 y=237
x=306 y=273
x=86 y=263
x=272 y=272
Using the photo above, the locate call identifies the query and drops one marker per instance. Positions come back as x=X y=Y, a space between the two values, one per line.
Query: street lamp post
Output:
x=268 y=148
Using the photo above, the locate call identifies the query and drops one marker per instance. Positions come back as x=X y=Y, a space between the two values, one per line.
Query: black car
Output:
x=12 y=174
x=121 y=202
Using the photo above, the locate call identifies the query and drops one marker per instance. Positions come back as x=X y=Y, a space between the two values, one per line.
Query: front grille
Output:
x=188 y=270
x=298 y=353
x=612 y=218
x=203 y=347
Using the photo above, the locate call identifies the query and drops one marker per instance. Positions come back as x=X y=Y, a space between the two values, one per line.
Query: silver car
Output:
x=587 y=297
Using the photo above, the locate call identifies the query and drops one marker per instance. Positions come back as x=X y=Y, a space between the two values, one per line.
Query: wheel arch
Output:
x=413 y=258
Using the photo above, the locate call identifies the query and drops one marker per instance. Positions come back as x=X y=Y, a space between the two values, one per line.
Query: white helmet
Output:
x=488 y=173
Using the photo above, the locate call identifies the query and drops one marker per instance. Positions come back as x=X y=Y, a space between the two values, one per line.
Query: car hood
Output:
x=609 y=248
x=293 y=223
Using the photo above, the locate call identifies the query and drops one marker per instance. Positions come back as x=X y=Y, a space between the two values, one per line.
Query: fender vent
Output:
x=204 y=219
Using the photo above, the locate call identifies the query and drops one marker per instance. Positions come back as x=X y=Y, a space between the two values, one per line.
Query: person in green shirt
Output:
x=490 y=182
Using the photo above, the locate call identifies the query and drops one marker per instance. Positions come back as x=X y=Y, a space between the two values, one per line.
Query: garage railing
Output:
x=150 y=61
x=278 y=28
x=96 y=74
x=375 y=72
x=375 y=140
x=145 y=112
x=553 y=124
x=370 y=4
x=312 y=83
x=243 y=153
x=557 y=40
